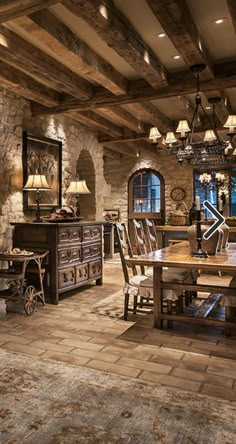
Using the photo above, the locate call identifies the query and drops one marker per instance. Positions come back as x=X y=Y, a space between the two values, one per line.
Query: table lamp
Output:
x=37 y=182
x=78 y=187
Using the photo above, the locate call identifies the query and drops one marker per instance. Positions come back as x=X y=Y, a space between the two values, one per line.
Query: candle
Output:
x=220 y=205
x=197 y=201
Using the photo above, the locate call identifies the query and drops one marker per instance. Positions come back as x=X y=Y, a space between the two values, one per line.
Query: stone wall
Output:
x=118 y=172
x=78 y=142
x=82 y=155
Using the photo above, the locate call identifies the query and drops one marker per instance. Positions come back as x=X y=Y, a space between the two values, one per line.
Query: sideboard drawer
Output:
x=91 y=233
x=91 y=251
x=67 y=256
x=69 y=234
x=95 y=269
x=81 y=273
x=66 y=277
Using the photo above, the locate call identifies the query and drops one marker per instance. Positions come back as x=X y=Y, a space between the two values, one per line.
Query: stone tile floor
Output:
x=195 y=358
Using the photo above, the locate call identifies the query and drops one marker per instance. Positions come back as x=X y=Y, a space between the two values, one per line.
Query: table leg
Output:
x=157 y=273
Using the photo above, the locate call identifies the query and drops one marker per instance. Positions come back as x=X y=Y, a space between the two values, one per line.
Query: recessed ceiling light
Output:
x=176 y=57
x=161 y=34
x=219 y=20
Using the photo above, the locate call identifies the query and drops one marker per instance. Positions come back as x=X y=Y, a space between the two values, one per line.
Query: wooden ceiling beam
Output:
x=149 y=113
x=115 y=30
x=25 y=86
x=34 y=62
x=221 y=110
x=128 y=136
x=232 y=9
x=91 y=119
x=74 y=52
x=16 y=8
x=176 y=20
x=181 y=83
x=123 y=149
x=122 y=117
x=107 y=152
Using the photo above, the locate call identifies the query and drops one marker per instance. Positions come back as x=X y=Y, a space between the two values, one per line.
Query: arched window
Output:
x=146 y=196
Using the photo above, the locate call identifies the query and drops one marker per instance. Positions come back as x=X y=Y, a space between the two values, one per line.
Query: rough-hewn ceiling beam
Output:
x=122 y=117
x=181 y=83
x=221 y=110
x=91 y=119
x=74 y=52
x=16 y=8
x=123 y=149
x=110 y=153
x=150 y=114
x=128 y=136
x=177 y=22
x=25 y=86
x=34 y=62
x=115 y=30
x=232 y=10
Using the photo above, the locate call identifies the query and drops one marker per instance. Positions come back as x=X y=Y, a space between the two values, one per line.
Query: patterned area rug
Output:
x=48 y=402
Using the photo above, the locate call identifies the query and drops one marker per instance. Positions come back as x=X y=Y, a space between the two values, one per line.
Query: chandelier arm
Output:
x=211 y=122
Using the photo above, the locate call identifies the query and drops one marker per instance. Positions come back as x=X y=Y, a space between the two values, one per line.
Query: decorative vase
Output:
x=210 y=245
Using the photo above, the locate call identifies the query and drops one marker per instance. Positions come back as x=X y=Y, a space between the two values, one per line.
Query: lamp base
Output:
x=200 y=253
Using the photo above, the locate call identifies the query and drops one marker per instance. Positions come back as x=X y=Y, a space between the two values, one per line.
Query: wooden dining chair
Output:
x=150 y=235
x=136 y=284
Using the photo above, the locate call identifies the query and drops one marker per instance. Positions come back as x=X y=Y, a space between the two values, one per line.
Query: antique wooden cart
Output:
x=15 y=275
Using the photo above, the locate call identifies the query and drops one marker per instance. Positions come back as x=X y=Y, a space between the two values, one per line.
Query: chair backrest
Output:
x=150 y=235
x=139 y=237
x=125 y=249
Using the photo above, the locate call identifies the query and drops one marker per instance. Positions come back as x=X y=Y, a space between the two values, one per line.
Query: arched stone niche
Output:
x=85 y=171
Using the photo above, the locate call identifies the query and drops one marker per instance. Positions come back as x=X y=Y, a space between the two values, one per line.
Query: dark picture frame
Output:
x=42 y=155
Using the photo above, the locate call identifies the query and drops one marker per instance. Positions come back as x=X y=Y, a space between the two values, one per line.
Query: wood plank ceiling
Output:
x=105 y=64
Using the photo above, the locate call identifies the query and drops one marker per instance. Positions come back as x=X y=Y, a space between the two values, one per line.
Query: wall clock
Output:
x=178 y=194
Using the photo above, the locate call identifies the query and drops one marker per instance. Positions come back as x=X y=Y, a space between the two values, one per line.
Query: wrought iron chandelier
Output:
x=213 y=152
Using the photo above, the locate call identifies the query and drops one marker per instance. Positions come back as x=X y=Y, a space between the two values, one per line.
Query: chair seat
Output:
x=175 y=275
x=144 y=286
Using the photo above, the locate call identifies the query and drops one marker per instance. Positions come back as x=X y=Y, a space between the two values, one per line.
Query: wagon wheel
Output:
x=29 y=300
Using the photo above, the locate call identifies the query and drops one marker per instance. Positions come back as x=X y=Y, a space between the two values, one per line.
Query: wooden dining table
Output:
x=179 y=256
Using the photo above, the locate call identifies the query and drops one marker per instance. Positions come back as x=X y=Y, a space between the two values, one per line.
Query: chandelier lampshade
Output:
x=170 y=138
x=154 y=134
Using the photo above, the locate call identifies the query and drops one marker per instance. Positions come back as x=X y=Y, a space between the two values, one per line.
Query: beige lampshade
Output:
x=209 y=136
x=183 y=127
x=78 y=187
x=231 y=123
x=170 y=138
x=36 y=182
x=154 y=134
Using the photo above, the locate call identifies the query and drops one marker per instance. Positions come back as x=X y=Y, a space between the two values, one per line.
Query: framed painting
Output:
x=42 y=155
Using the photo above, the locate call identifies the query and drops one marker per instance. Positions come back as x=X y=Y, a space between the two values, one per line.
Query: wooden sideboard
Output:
x=75 y=253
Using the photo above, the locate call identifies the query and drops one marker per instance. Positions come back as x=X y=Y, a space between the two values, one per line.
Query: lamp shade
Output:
x=183 y=127
x=154 y=134
x=170 y=138
x=209 y=136
x=78 y=187
x=230 y=122
x=36 y=182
